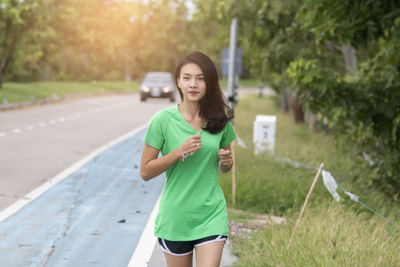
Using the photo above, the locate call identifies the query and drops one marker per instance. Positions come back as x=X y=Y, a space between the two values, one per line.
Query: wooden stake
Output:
x=305 y=203
x=233 y=175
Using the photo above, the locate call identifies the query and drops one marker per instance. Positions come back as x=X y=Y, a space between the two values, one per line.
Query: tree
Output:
x=92 y=39
x=365 y=105
x=340 y=58
x=270 y=39
x=18 y=20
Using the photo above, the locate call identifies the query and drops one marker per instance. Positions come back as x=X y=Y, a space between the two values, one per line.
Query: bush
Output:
x=367 y=112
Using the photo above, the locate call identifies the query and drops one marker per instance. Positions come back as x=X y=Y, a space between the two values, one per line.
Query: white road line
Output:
x=20 y=203
x=63 y=119
x=144 y=249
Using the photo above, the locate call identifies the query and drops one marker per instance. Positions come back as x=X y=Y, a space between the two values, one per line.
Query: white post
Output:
x=232 y=64
x=264 y=134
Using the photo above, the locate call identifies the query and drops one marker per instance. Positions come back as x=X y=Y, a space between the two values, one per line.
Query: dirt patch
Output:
x=243 y=227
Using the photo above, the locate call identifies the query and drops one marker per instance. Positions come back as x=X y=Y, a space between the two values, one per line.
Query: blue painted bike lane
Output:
x=93 y=217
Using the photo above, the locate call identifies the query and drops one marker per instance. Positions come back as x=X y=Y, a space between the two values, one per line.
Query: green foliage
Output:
x=354 y=22
x=364 y=107
x=366 y=112
x=92 y=39
x=304 y=45
x=268 y=36
x=21 y=23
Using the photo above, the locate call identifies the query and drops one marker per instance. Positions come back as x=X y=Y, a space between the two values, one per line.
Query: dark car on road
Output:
x=157 y=85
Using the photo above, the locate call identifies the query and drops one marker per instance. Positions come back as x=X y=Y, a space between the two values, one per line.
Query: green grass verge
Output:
x=249 y=83
x=330 y=235
x=242 y=83
x=265 y=185
x=20 y=92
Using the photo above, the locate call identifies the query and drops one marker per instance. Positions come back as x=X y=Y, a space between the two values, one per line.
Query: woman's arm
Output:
x=151 y=166
x=225 y=159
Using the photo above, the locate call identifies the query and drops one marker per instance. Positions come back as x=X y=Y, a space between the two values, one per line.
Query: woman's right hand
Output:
x=192 y=144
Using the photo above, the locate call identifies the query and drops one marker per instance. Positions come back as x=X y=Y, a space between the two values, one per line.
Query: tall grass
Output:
x=332 y=233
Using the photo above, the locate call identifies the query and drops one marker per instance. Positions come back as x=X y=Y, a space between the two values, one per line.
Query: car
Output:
x=157 y=85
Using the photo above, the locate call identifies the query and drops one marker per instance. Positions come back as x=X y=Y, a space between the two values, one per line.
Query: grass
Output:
x=266 y=185
x=249 y=83
x=329 y=235
x=20 y=92
x=242 y=83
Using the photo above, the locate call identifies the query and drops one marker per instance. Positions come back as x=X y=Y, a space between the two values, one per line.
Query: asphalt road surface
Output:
x=37 y=143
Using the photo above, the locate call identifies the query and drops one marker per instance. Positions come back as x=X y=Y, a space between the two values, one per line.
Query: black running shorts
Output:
x=181 y=248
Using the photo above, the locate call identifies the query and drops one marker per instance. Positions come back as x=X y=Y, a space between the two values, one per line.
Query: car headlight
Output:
x=166 y=89
x=146 y=89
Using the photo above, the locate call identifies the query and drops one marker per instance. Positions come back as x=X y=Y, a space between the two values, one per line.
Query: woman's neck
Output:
x=190 y=110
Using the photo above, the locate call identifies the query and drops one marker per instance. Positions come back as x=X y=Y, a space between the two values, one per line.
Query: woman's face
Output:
x=191 y=82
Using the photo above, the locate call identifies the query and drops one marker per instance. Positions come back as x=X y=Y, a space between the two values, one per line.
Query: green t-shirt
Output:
x=192 y=205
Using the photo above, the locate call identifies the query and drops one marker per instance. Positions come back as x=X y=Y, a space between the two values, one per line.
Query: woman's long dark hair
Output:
x=213 y=106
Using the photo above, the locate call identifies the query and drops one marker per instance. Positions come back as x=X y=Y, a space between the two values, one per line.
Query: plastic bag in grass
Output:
x=330 y=184
x=352 y=196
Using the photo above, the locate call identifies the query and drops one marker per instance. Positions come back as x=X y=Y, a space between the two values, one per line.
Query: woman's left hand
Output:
x=225 y=157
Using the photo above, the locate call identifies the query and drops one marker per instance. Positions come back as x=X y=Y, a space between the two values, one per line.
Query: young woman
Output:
x=194 y=138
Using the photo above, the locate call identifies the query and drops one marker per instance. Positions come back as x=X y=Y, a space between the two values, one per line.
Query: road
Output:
x=97 y=212
x=37 y=143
